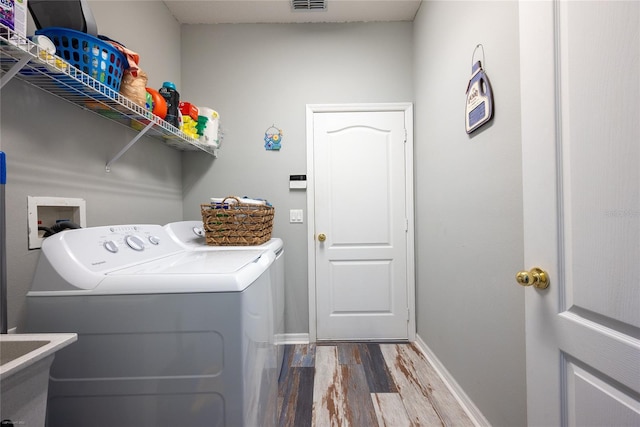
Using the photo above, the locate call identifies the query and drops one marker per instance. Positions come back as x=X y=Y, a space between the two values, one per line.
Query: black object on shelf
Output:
x=73 y=14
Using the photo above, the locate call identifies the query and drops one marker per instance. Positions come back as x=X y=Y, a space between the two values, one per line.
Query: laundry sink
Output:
x=25 y=360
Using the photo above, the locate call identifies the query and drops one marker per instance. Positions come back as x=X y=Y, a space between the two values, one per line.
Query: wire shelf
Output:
x=21 y=58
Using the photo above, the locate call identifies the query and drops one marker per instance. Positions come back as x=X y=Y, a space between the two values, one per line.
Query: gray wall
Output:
x=469 y=205
x=259 y=75
x=55 y=148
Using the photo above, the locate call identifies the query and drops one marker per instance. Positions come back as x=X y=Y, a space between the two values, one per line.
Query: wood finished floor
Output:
x=363 y=385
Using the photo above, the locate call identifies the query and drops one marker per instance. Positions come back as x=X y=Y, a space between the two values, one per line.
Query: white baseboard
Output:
x=294 y=339
x=467 y=404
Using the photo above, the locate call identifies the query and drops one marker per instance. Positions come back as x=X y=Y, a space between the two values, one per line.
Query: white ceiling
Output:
x=280 y=11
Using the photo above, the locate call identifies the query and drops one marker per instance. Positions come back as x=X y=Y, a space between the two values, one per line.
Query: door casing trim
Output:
x=407 y=108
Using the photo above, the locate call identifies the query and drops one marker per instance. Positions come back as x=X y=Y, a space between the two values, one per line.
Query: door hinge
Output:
x=405 y=136
x=406 y=224
x=408 y=314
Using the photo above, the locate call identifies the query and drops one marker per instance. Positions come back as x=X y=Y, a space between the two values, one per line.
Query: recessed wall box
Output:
x=297 y=181
x=46 y=211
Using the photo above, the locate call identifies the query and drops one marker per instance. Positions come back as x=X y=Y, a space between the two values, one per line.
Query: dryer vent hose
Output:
x=58 y=227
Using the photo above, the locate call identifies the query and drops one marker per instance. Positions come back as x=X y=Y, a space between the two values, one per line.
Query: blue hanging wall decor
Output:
x=273 y=138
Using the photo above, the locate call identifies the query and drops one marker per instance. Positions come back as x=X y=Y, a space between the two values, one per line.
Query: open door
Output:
x=580 y=77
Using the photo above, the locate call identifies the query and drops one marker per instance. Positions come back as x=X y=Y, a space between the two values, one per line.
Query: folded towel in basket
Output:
x=245 y=199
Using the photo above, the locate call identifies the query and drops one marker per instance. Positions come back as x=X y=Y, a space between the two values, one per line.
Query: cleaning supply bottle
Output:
x=171 y=95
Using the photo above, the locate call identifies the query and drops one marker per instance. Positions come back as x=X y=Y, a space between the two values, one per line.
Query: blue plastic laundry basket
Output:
x=89 y=54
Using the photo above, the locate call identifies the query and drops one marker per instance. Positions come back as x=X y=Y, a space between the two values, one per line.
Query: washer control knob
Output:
x=111 y=246
x=135 y=242
x=154 y=240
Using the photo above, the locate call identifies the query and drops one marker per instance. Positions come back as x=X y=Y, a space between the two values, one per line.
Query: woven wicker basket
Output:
x=233 y=223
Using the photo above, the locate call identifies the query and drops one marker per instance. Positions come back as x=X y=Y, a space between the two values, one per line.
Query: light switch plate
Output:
x=296 y=216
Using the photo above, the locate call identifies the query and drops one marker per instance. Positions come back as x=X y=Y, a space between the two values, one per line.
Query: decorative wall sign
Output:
x=273 y=138
x=479 y=108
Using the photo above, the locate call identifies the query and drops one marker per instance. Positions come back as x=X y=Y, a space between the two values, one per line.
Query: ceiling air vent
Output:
x=309 y=4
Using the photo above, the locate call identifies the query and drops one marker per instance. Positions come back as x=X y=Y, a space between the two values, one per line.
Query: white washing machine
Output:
x=166 y=336
x=191 y=236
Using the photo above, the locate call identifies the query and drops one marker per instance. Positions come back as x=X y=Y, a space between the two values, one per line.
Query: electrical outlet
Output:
x=296 y=216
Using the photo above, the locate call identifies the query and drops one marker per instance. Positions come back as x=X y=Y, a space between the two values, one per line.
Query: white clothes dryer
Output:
x=166 y=336
x=191 y=236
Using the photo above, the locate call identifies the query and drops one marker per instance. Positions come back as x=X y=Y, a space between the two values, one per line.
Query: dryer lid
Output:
x=196 y=262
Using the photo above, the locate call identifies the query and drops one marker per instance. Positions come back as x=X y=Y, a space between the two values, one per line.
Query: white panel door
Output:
x=580 y=72
x=361 y=209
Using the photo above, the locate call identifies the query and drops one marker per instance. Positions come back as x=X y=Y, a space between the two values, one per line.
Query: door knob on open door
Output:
x=322 y=237
x=536 y=277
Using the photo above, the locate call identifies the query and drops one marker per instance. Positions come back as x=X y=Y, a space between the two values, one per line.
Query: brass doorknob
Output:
x=536 y=277
x=322 y=237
